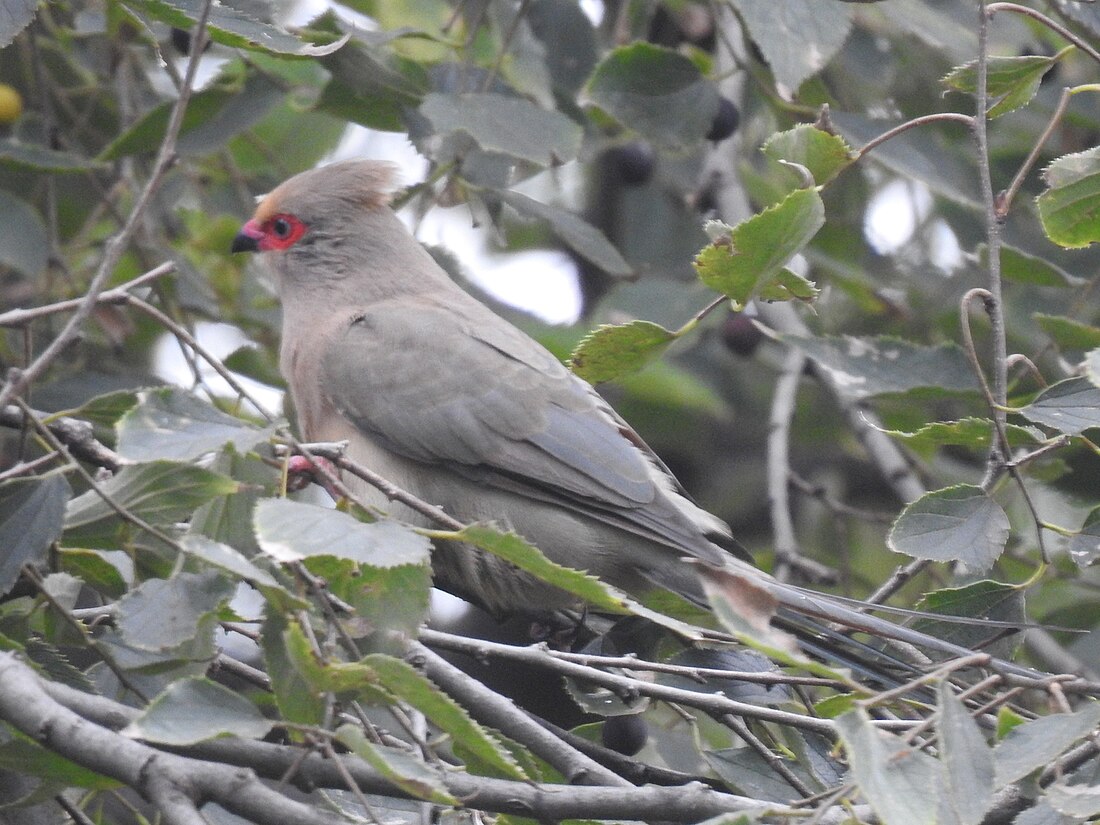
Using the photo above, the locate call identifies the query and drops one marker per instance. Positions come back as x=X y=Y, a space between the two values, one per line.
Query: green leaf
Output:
x=231 y=27
x=1070 y=207
x=159 y=492
x=403 y=681
x=579 y=235
x=162 y=614
x=225 y=558
x=896 y=777
x=255 y=363
x=866 y=367
x=408 y=773
x=960 y=523
x=966 y=763
x=1011 y=82
x=24 y=244
x=171 y=423
x=1084 y=547
x=30 y=157
x=611 y=351
x=213 y=117
x=797 y=37
x=288 y=531
x=509 y=125
x=745 y=261
x=1068 y=333
x=981 y=600
x=1038 y=743
x=1071 y=406
x=513 y=548
x=22 y=756
x=228 y=518
x=32 y=512
x=94 y=570
x=195 y=709
x=657 y=92
x=823 y=154
x=973 y=433
x=390 y=602
x=293 y=673
x=1019 y=266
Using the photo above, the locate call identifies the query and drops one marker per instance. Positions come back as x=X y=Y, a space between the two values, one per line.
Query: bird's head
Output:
x=317 y=206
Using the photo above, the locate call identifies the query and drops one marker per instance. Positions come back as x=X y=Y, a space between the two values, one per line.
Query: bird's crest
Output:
x=368 y=183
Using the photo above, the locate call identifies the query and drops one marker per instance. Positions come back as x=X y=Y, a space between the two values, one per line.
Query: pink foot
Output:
x=301 y=472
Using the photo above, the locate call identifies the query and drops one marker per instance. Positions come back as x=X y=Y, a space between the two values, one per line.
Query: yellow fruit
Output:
x=11 y=104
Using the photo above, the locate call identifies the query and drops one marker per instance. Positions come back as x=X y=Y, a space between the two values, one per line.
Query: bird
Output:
x=432 y=390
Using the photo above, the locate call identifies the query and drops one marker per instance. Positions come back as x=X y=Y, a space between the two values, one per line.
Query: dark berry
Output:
x=726 y=121
x=740 y=334
x=624 y=734
x=633 y=162
x=181 y=40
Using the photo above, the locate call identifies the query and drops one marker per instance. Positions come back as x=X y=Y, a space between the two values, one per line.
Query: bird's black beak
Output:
x=248 y=239
x=244 y=243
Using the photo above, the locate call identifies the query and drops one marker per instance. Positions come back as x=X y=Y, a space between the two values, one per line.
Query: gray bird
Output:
x=441 y=396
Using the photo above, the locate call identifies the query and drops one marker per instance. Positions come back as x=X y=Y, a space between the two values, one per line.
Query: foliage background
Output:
x=554 y=132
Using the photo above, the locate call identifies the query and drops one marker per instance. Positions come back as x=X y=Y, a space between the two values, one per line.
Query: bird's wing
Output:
x=457 y=386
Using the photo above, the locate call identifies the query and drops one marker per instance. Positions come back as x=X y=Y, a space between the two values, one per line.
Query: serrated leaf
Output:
x=288 y=531
x=160 y=492
x=195 y=709
x=33 y=158
x=744 y=263
x=825 y=155
x=1068 y=333
x=966 y=763
x=1039 y=742
x=1070 y=207
x=611 y=351
x=960 y=523
x=32 y=512
x=1011 y=82
x=408 y=773
x=162 y=614
x=171 y=423
x=16 y=16
x=749 y=774
x=24 y=244
x=895 y=776
x=403 y=681
x=575 y=232
x=1071 y=406
x=509 y=125
x=866 y=367
x=1023 y=268
x=973 y=433
x=1084 y=546
x=657 y=92
x=231 y=27
x=797 y=37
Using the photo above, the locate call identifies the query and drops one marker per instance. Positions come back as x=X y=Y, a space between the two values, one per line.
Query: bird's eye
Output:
x=282 y=232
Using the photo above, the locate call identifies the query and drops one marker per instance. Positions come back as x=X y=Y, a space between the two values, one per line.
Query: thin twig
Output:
x=1051 y=24
x=779 y=461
